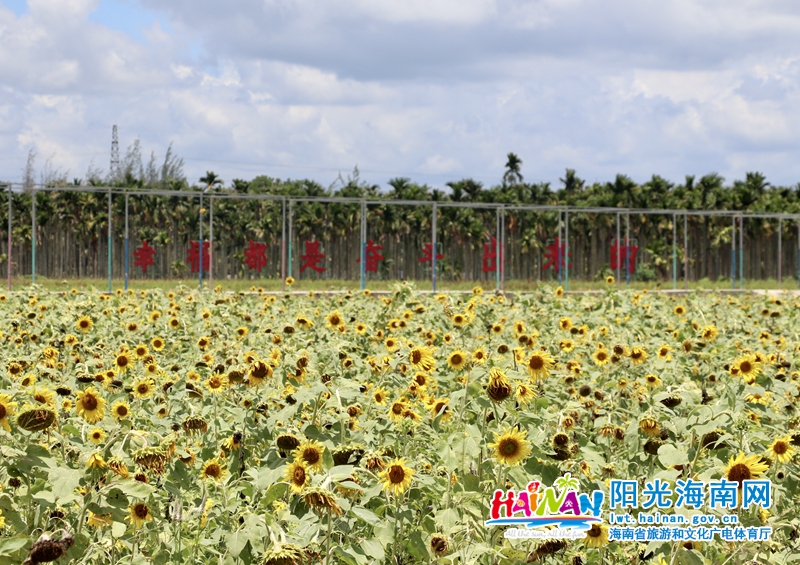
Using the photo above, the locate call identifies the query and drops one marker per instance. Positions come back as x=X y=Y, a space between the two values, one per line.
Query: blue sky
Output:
x=434 y=90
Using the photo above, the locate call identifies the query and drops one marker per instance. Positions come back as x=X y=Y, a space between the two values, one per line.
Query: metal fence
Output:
x=134 y=234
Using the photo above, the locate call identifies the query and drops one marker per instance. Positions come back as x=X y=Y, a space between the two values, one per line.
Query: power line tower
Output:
x=113 y=171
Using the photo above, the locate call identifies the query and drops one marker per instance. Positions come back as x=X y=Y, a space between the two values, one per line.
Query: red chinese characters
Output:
x=313 y=257
x=552 y=254
x=255 y=256
x=621 y=252
x=427 y=252
x=373 y=257
x=193 y=255
x=490 y=256
x=143 y=256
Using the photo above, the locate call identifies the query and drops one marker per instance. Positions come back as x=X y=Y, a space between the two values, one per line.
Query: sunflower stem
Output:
x=328 y=539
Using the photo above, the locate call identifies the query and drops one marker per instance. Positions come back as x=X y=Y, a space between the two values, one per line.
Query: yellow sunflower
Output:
x=539 y=365
x=479 y=356
x=310 y=453
x=120 y=409
x=638 y=355
x=97 y=435
x=745 y=467
x=782 y=449
x=213 y=470
x=139 y=514
x=90 y=405
x=334 y=319
x=396 y=477
x=457 y=360
x=7 y=408
x=511 y=447
x=421 y=358
x=216 y=384
x=143 y=388
x=84 y=324
x=157 y=343
x=297 y=475
x=596 y=536
x=379 y=395
x=601 y=357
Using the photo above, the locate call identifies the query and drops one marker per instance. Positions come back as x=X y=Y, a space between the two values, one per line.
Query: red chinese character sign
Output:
x=313 y=257
x=255 y=256
x=620 y=252
x=552 y=253
x=193 y=256
x=490 y=256
x=427 y=254
x=143 y=256
x=373 y=257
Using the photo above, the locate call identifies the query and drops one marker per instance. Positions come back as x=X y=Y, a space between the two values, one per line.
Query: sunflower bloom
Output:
x=213 y=470
x=139 y=513
x=745 y=467
x=457 y=360
x=310 y=452
x=511 y=447
x=596 y=536
x=396 y=477
x=90 y=405
x=7 y=408
x=297 y=475
x=422 y=358
x=782 y=449
x=539 y=365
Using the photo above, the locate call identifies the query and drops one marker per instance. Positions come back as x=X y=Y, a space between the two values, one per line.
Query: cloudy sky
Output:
x=434 y=90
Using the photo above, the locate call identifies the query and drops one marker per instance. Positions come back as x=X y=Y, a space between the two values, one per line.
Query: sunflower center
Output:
x=3 y=411
x=89 y=402
x=397 y=474
x=561 y=439
x=215 y=382
x=397 y=408
x=536 y=362
x=213 y=470
x=739 y=472
x=745 y=366
x=141 y=511
x=456 y=359
x=122 y=411
x=311 y=456
x=509 y=447
x=299 y=476
x=595 y=531
x=416 y=356
x=335 y=320
x=618 y=350
x=780 y=447
x=601 y=356
x=636 y=354
x=143 y=388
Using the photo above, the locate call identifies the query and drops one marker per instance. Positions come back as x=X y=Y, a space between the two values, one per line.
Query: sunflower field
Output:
x=279 y=429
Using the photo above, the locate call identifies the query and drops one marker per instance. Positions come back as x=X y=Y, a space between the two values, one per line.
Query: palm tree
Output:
x=513 y=168
x=211 y=180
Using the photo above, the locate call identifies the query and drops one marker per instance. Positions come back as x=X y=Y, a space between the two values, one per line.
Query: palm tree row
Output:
x=72 y=227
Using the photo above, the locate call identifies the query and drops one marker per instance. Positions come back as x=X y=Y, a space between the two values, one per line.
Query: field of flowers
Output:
x=209 y=427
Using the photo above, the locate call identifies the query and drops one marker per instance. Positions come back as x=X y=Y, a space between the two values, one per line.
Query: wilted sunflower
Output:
x=782 y=450
x=258 y=373
x=139 y=513
x=511 y=447
x=457 y=360
x=744 y=467
x=396 y=477
x=90 y=405
x=321 y=500
x=524 y=394
x=539 y=365
x=310 y=452
x=284 y=553
x=421 y=358
x=213 y=470
x=649 y=425
x=297 y=475
x=439 y=544
x=596 y=536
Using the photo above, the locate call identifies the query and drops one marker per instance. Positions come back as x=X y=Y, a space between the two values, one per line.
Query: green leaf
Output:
x=669 y=455
x=374 y=549
x=366 y=515
x=135 y=489
x=64 y=481
x=118 y=529
x=8 y=546
x=275 y=492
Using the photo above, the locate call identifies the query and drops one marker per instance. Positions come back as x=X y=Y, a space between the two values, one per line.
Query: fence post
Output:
x=363 y=253
x=210 y=242
x=733 y=253
x=283 y=244
x=616 y=244
x=627 y=249
x=741 y=251
x=8 y=266
x=502 y=249
x=291 y=242
x=200 y=276
x=497 y=250
x=127 y=245
x=433 y=255
x=686 y=251
x=33 y=235
x=559 y=250
x=674 y=251
x=780 y=252
x=110 y=265
x=566 y=249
